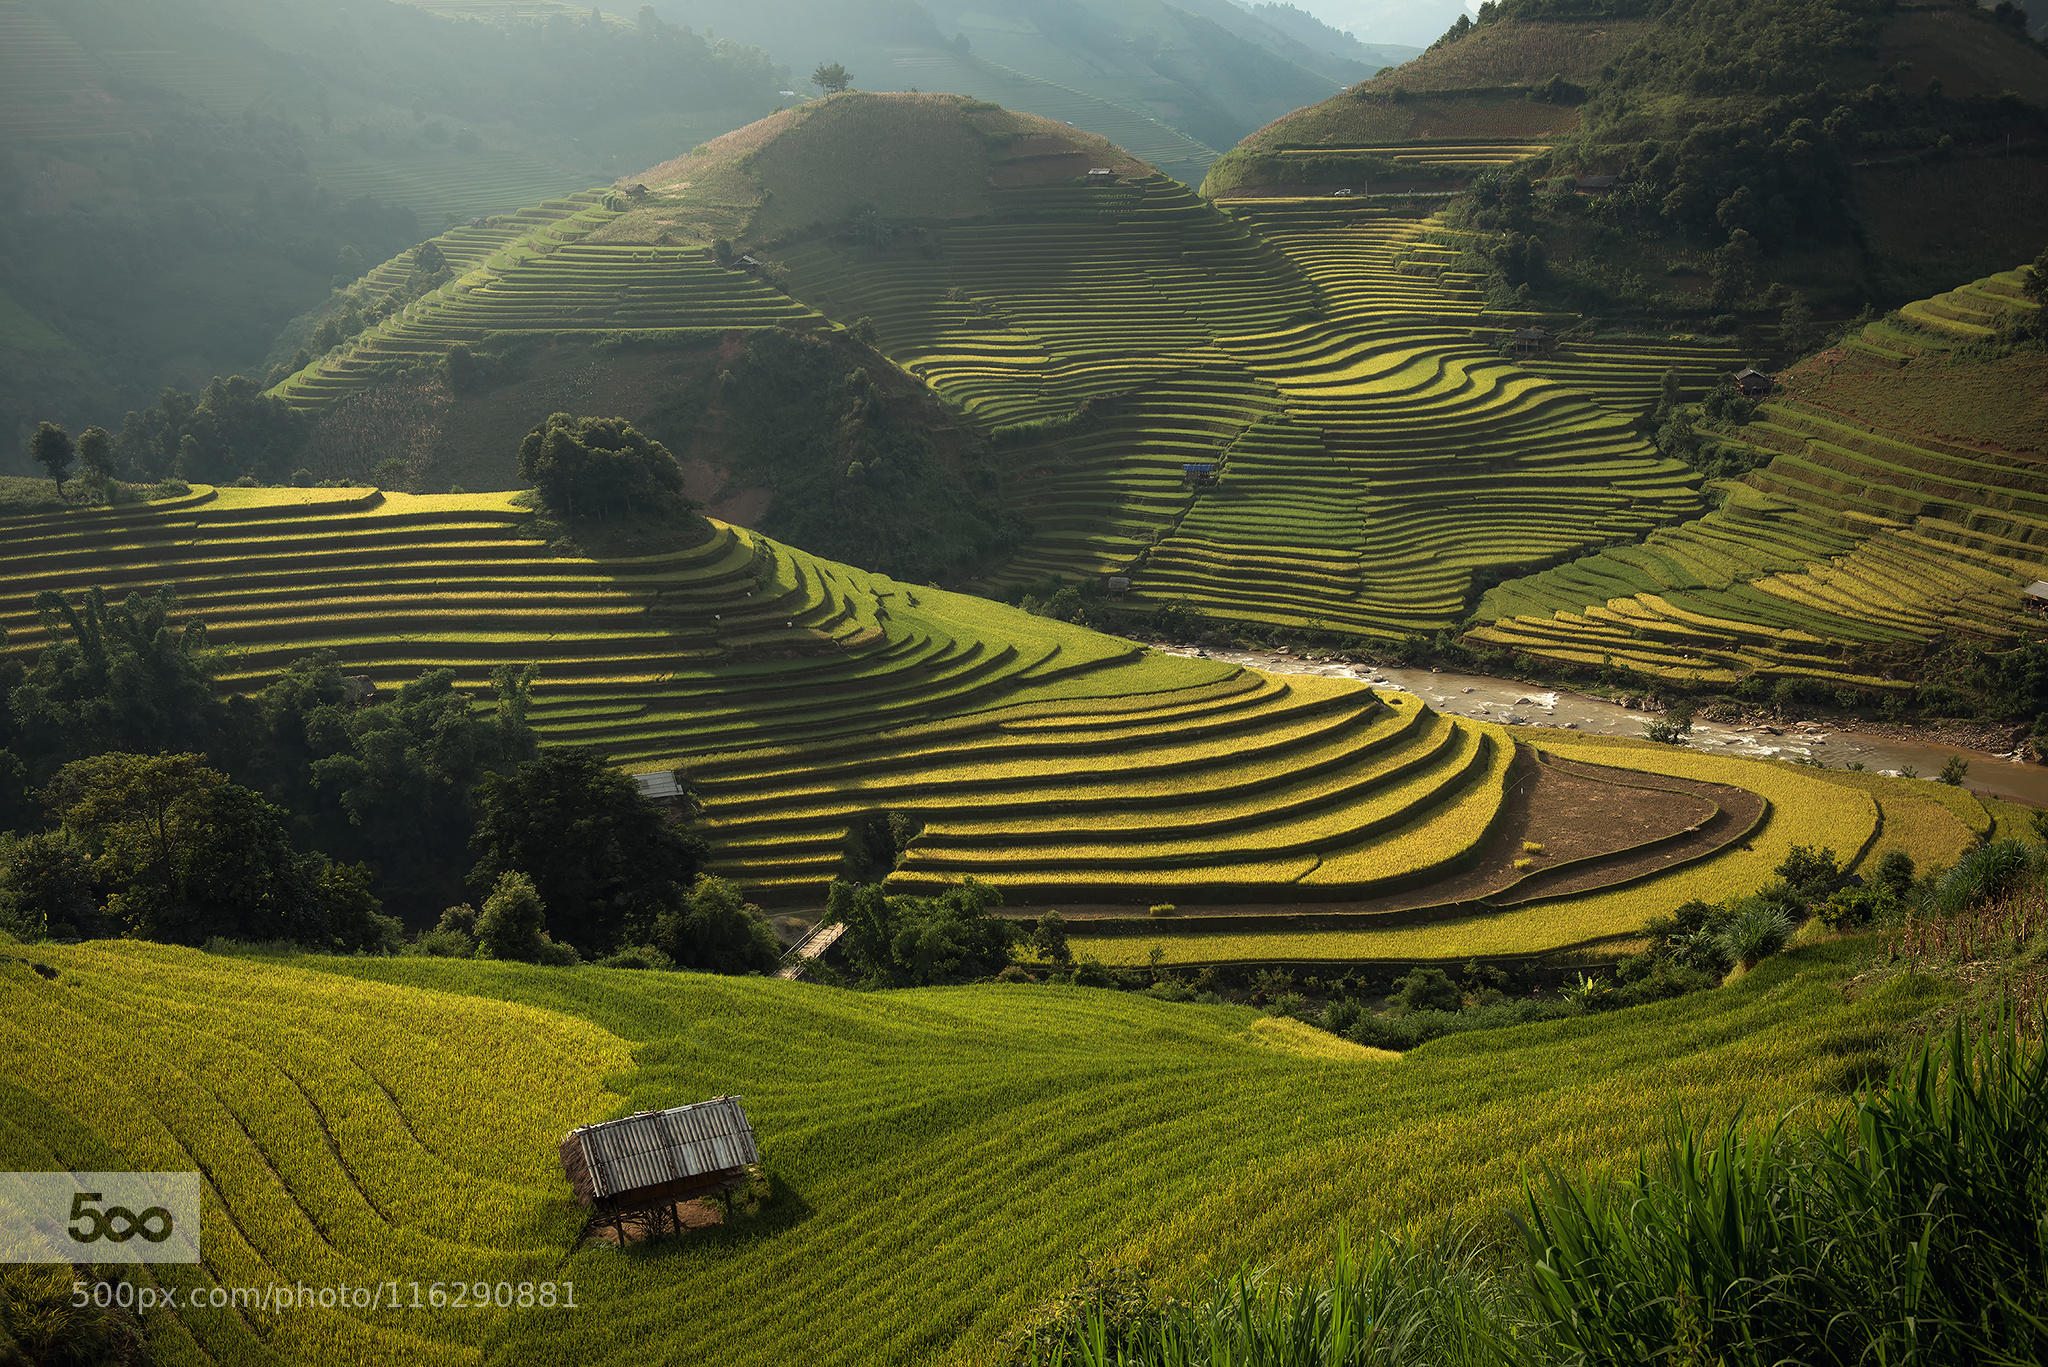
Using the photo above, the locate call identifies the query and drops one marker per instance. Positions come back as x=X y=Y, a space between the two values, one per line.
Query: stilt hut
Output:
x=644 y=1164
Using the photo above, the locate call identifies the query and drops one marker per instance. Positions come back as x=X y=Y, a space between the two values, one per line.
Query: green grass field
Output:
x=939 y=1162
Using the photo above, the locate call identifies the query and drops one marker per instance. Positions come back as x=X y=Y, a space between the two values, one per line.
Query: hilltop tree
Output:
x=96 y=452
x=830 y=78
x=599 y=467
x=52 y=449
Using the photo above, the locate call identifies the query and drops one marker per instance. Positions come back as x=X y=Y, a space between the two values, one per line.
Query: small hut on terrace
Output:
x=2034 y=597
x=644 y=1164
x=1752 y=383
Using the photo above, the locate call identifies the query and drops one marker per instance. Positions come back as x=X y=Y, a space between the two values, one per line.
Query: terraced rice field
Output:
x=364 y=1121
x=1851 y=539
x=1465 y=156
x=1967 y=314
x=1321 y=357
x=532 y=273
x=804 y=698
x=1857 y=815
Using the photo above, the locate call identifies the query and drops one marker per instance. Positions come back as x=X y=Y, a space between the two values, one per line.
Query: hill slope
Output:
x=1868 y=154
x=1328 y=361
x=182 y=179
x=806 y=700
x=897 y=1132
x=1897 y=500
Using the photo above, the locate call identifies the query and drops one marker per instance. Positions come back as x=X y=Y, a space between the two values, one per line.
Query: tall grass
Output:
x=1908 y=1230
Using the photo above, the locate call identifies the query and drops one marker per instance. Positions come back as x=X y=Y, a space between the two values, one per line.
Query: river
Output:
x=1484 y=698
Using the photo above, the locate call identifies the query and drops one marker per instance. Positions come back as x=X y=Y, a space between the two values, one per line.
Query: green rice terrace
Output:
x=1108 y=329
x=359 y=1121
x=1861 y=533
x=803 y=700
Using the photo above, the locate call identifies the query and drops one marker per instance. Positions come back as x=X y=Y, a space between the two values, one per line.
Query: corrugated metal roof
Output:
x=658 y=785
x=653 y=1147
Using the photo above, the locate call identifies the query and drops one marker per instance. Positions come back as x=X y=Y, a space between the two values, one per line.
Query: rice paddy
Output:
x=360 y=1122
x=1851 y=537
x=803 y=699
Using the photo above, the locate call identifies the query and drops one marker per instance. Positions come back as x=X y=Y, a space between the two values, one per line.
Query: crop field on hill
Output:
x=533 y=273
x=1853 y=535
x=1857 y=815
x=363 y=1121
x=1335 y=394
x=1322 y=364
x=805 y=698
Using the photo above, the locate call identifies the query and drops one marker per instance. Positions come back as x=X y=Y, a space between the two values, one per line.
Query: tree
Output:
x=115 y=676
x=511 y=923
x=597 y=467
x=917 y=941
x=96 y=452
x=609 y=861
x=184 y=855
x=1795 y=328
x=716 y=931
x=1049 y=938
x=51 y=447
x=830 y=78
x=1672 y=728
x=395 y=782
x=45 y=886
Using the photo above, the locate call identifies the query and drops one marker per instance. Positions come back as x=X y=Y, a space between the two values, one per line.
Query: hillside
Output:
x=1103 y=332
x=806 y=699
x=180 y=180
x=808 y=704
x=1928 y=123
x=1338 y=364
x=1893 y=502
x=897 y=1132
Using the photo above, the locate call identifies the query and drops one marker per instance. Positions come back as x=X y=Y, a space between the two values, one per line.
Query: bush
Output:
x=1660 y=980
x=1426 y=989
x=1985 y=874
x=1811 y=874
x=1163 y=909
x=1893 y=875
x=1340 y=1015
x=510 y=926
x=1754 y=930
x=638 y=956
x=1954 y=769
